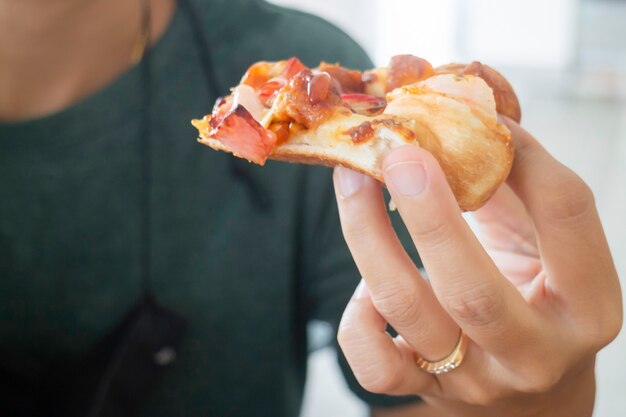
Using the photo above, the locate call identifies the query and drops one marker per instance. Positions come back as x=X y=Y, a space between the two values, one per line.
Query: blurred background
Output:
x=567 y=62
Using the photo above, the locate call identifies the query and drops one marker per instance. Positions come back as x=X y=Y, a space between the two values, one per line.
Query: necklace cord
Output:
x=145 y=194
x=238 y=168
x=256 y=190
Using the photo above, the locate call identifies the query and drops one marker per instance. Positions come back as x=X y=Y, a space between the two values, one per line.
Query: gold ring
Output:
x=450 y=362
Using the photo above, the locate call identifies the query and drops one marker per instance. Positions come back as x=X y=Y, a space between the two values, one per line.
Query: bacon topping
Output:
x=267 y=92
x=269 y=77
x=407 y=69
x=293 y=66
x=361 y=133
x=366 y=130
x=293 y=102
x=257 y=74
x=263 y=72
x=349 y=80
x=241 y=134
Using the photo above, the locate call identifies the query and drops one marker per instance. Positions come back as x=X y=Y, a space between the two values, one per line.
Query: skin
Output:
x=55 y=53
x=69 y=38
x=538 y=297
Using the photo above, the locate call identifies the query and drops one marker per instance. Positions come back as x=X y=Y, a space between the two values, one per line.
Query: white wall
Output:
x=527 y=33
x=357 y=17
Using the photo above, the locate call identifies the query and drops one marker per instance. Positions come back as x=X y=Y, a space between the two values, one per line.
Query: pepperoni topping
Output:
x=407 y=69
x=243 y=136
x=364 y=104
x=350 y=81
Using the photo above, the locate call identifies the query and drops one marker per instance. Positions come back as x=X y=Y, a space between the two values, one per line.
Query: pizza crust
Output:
x=475 y=153
x=452 y=115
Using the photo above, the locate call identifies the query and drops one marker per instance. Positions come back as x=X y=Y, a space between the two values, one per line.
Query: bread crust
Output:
x=473 y=180
x=452 y=115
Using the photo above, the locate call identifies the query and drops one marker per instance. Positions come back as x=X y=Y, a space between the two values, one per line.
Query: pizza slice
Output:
x=332 y=116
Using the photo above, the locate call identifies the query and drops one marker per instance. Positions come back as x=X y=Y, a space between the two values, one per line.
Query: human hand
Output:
x=537 y=301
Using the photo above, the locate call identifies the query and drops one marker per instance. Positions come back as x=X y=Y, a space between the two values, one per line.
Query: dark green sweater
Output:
x=247 y=279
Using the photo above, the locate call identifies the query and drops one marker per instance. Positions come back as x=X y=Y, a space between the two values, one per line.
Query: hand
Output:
x=537 y=301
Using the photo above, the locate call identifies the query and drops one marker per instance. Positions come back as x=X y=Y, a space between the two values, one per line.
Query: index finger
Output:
x=464 y=278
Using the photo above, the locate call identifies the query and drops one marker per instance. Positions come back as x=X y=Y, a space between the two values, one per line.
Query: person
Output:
x=94 y=217
x=240 y=258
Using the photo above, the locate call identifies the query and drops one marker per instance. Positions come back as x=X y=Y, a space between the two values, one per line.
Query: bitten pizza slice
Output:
x=332 y=116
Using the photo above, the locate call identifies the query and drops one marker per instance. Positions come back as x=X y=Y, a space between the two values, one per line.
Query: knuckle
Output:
x=356 y=229
x=350 y=331
x=399 y=305
x=479 y=395
x=613 y=327
x=373 y=375
x=344 y=335
x=434 y=233
x=541 y=370
x=541 y=381
x=480 y=305
x=605 y=328
x=568 y=198
x=379 y=381
x=526 y=146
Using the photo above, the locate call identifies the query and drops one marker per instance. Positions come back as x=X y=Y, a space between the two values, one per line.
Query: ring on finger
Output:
x=450 y=362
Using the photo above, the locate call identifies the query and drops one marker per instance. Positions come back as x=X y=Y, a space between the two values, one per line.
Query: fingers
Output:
x=508 y=235
x=380 y=364
x=387 y=365
x=398 y=291
x=505 y=225
x=567 y=224
x=464 y=278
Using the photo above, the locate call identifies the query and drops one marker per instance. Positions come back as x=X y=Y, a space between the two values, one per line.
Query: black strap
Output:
x=145 y=192
x=238 y=168
x=202 y=46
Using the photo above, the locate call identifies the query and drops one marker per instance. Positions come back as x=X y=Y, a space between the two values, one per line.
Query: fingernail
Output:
x=407 y=178
x=349 y=181
x=361 y=291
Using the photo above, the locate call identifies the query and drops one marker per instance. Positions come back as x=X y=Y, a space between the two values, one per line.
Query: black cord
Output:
x=203 y=48
x=238 y=168
x=145 y=127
